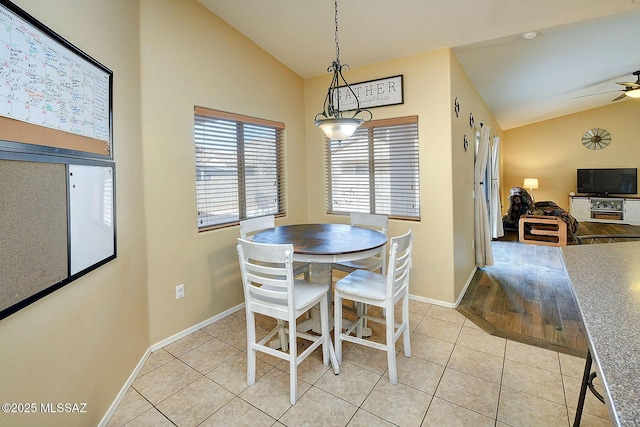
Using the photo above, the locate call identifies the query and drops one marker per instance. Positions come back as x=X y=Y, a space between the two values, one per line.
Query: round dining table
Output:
x=323 y=244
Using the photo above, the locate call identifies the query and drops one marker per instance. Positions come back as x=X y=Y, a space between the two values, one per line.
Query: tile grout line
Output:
x=424 y=316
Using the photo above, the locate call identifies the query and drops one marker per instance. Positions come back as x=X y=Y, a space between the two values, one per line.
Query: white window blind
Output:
x=239 y=167
x=376 y=170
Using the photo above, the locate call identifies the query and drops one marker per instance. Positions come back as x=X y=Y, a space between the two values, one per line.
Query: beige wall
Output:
x=463 y=170
x=190 y=57
x=81 y=343
x=552 y=150
x=439 y=272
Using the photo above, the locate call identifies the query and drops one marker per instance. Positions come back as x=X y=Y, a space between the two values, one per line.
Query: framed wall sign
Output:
x=372 y=93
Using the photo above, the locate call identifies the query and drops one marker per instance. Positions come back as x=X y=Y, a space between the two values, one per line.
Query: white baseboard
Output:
x=431 y=301
x=155 y=347
x=443 y=303
x=182 y=334
x=464 y=291
x=124 y=389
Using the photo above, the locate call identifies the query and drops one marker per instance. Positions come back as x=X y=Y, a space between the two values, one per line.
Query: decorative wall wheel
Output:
x=596 y=139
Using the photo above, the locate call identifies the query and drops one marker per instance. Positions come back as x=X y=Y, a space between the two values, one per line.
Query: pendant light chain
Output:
x=332 y=119
x=337 y=44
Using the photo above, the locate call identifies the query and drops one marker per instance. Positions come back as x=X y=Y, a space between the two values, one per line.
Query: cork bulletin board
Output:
x=57 y=223
x=33 y=240
x=57 y=174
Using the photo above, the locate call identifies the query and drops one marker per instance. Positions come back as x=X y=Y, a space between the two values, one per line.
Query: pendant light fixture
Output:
x=336 y=124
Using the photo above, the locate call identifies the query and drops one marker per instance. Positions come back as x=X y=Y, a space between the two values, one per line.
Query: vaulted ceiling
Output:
x=581 y=47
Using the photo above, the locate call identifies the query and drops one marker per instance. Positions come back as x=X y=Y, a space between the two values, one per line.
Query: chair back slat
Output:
x=377 y=222
x=268 y=286
x=399 y=264
x=267 y=274
x=249 y=227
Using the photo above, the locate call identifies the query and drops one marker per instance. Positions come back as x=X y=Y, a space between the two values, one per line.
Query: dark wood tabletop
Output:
x=323 y=239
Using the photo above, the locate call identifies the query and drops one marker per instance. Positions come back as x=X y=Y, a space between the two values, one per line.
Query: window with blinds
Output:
x=376 y=170
x=239 y=167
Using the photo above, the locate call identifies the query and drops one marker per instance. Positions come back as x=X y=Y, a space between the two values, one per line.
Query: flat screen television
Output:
x=608 y=181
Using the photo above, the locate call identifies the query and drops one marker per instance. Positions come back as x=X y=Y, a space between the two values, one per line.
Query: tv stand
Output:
x=606 y=209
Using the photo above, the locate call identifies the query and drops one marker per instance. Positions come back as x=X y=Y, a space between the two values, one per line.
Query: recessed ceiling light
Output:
x=530 y=35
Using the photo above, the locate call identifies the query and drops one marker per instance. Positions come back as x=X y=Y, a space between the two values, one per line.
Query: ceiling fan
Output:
x=631 y=89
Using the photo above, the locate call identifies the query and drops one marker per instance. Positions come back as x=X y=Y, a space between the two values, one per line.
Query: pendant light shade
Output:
x=339 y=129
x=337 y=124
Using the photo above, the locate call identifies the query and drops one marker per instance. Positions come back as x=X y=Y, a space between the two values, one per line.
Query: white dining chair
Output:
x=270 y=289
x=249 y=227
x=376 y=262
x=380 y=290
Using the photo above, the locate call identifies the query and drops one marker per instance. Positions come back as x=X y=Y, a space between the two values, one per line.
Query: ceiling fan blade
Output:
x=629 y=84
x=599 y=93
x=620 y=97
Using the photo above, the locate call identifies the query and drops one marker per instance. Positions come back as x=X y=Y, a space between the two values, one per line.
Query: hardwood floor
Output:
x=526 y=296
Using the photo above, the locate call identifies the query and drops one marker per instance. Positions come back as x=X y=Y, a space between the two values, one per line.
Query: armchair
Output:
x=521 y=203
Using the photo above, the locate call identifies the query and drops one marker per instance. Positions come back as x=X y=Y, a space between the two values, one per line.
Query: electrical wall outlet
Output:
x=180 y=291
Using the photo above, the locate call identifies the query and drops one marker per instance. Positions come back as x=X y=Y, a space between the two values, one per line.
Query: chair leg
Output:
x=283 y=336
x=324 y=325
x=328 y=352
x=293 y=364
x=406 y=339
x=361 y=310
x=337 y=325
x=391 y=348
x=251 y=352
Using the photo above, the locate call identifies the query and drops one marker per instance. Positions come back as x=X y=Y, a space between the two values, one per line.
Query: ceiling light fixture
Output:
x=333 y=121
x=633 y=93
x=530 y=35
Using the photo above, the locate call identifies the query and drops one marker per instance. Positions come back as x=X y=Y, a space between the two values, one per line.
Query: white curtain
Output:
x=484 y=255
x=495 y=209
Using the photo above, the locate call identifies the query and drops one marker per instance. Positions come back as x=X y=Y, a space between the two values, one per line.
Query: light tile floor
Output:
x=458 y=375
